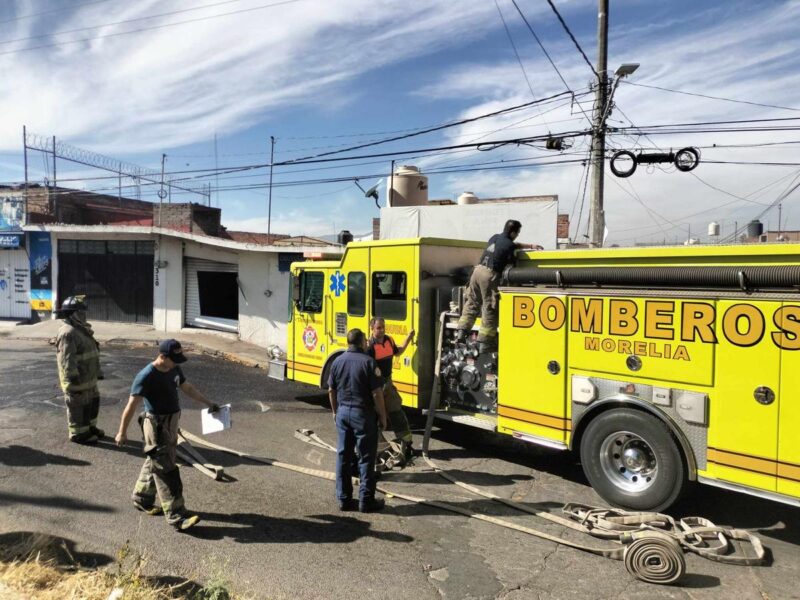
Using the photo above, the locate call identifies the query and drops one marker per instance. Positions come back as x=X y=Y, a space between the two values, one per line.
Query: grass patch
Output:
x=41 y=567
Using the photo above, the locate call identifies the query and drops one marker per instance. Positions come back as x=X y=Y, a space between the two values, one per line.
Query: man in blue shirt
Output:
x=356 y=395
x=157 y=384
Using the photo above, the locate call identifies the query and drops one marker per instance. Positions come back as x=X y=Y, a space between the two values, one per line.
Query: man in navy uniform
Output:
x=157 y=384
x=356 y=395
x=482 y=295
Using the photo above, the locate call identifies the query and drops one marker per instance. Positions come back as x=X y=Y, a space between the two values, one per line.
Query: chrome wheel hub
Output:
x=628 y=461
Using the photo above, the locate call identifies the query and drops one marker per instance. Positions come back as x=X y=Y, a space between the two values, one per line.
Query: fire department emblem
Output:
x=310 y=338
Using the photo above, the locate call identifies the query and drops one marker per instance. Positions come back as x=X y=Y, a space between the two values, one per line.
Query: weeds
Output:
x=42 y=568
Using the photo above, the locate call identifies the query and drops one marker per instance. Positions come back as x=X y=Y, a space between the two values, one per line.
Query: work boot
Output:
x=150 y=510
x=85 y=440
x=348 y=505
x=487 y=347
x=371 y=505
x=98 y=432
x=408 y=451
x=186 y=523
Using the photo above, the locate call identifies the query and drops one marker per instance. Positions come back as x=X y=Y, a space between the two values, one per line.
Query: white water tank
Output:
x=713 y=229
x=407 y=187
x=467 y=198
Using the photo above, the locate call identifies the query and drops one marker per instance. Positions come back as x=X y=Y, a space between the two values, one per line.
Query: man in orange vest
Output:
x=383 y=349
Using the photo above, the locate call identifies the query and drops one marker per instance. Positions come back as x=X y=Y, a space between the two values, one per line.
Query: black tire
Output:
x=623 y=154
x=644 y=436
x=687 y=159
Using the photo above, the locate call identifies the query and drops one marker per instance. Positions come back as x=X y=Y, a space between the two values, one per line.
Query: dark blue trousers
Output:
x=357 y=428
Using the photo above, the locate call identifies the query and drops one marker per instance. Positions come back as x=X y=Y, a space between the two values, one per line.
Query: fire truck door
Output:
x=393 y=292
x=743 y=406
x=308 y=323
x=532 y=366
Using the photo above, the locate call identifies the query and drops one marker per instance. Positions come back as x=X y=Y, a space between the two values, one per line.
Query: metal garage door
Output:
x=212 y=294
x=15 y=286
x=116 y=276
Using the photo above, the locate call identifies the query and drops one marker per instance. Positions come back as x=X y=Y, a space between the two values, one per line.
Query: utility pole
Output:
x=597 y=216
x=55 y=177
x=780 y=208
x=216 y=171
x=269 y=203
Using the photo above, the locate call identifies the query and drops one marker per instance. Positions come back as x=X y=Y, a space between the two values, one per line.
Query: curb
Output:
x=144 y=343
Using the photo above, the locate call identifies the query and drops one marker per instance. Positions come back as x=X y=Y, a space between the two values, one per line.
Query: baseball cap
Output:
x=172 y=349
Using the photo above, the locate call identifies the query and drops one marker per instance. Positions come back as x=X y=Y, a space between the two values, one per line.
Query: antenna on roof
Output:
x=371 y=192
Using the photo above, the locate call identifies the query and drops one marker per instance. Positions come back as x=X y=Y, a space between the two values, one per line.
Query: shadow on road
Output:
x=698 y=581
x=60 y=502
x=21 y=545
x=25 y=456
x=252 y=528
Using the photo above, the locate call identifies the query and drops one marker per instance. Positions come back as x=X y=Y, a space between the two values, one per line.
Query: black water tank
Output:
x=344 y=237
x=755 y=228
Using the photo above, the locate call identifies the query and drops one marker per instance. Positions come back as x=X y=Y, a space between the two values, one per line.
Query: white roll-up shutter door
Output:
x=192 y=313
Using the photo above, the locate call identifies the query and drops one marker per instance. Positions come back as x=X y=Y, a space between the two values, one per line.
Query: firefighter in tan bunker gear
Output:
x=78 y=359
x=482 y=295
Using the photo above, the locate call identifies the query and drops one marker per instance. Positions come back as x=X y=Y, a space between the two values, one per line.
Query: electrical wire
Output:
x=572 y=37
x=152 y=28
x=428 y=130
x=547 y=54
x=663 y=89
x=516 y=53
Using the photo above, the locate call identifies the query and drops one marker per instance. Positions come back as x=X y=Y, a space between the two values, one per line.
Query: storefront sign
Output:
x=41 y=253
x=10 y=240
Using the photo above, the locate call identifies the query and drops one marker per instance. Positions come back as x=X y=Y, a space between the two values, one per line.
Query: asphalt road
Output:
x=277 y=534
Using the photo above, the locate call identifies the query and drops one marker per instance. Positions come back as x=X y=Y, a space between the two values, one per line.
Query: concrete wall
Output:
x=264 y=309
x=168 y=288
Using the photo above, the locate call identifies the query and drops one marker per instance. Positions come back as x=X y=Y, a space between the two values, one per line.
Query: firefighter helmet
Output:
x=72 y=304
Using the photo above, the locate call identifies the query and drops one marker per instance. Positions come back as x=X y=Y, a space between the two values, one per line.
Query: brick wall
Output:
x=173 y=216
x=376 y=228
x=562 y=226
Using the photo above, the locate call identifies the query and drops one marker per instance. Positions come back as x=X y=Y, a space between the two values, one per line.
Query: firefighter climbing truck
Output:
x=659 y=366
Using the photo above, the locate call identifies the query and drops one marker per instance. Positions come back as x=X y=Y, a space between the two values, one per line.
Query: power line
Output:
x=49 y=12
x=514 y=47
x=428 y=130
x=154 y=27
x=547 y=54
x=572 y=37
x=538 y=41
x=696 y=94
x=145 y=18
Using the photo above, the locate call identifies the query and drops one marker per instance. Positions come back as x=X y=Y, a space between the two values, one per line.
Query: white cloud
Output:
x=174 y=86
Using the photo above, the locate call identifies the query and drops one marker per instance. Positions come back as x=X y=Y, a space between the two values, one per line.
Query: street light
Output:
x=626 y=69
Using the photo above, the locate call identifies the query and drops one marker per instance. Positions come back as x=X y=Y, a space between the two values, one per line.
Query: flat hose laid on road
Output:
x=639 y=545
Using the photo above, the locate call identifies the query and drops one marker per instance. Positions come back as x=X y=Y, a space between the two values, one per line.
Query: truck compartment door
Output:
x=743 y=405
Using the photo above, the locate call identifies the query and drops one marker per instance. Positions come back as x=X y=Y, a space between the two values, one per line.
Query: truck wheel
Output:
x=632 y=460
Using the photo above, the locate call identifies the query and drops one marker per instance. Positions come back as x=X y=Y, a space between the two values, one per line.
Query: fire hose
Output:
x=651 y=545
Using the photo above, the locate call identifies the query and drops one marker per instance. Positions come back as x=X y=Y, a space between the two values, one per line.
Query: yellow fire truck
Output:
x=660 y=366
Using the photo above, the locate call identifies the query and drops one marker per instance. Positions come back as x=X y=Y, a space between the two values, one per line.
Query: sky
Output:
x=133 y=80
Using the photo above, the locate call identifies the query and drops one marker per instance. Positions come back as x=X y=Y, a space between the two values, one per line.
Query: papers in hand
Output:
x=217 y=421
